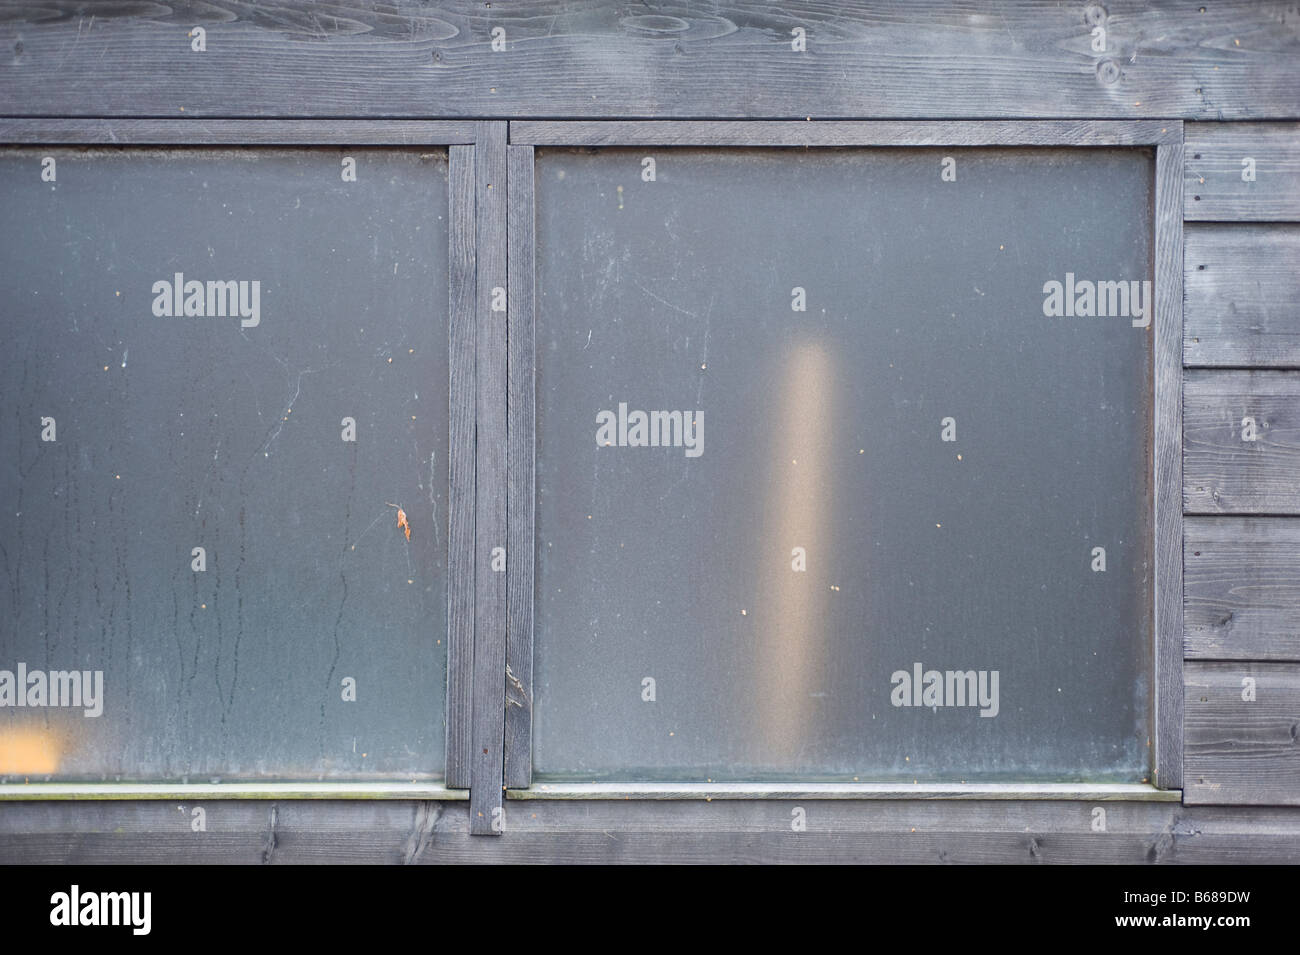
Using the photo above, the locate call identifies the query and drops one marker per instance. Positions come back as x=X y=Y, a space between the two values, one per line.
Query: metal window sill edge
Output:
x=1083 y=792
x=21 y=792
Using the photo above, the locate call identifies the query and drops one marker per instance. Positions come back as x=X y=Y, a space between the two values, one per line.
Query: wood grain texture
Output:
x=601 y=58
x=1223 y=474
x=462 y=319
x=1241 y=588
x=845 y=133
x=1243 y=296
x=251 y=132
x=487 y=766
x=1167 y=363
x=521 y=467
x=626 y=832
x=1239 y=751
x=1215 y=188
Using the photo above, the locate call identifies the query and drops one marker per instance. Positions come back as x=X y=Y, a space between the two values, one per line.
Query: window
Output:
x=832 y=457
x=226 y=464
x=846 y=462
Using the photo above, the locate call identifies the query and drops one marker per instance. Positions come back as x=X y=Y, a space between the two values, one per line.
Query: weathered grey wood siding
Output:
x=612 y=831
x=1231 y=59
x=1241 y=464
x=1230 y=68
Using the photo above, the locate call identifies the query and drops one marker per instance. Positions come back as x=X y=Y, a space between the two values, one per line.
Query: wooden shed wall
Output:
x=1241 y=497
x=1230 y=69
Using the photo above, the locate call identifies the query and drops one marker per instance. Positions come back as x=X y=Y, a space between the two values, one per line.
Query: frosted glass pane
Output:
x=221 y=416
x=814 y=433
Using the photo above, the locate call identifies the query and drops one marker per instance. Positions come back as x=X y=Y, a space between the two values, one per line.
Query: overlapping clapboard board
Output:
x=1241 y=351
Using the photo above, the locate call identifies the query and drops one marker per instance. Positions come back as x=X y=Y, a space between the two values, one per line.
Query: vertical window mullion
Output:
x=521 y=461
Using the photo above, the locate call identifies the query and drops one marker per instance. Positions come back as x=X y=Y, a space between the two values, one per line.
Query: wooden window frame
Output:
x=492 y=439
x=1166 y=650
x=464 y=166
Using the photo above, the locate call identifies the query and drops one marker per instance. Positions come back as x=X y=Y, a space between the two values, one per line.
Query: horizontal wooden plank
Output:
x=1134 y=792
x=252 y=132
x=1242 y=295
x=240 y=832
x=1241 y=732
x=1222 y=472
x=630 y=831
x=1238 y=835
x=842 y=133
x=1232 y=59
x=1238 y=172
x=1241 y=588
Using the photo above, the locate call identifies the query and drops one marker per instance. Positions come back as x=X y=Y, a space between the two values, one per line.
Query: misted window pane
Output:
x=224 y=378
x=842 y=464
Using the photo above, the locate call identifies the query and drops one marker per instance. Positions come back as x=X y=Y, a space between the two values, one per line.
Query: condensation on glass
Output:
x=193 y=338
x=832 y=482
